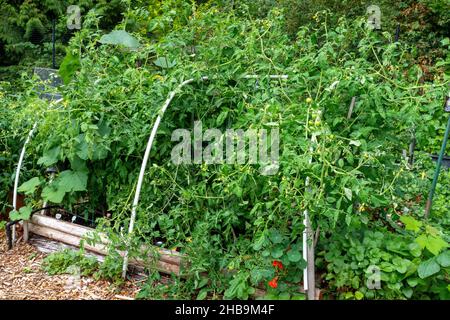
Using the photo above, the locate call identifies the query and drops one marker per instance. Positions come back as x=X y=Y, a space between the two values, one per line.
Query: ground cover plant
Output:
x=241 y=229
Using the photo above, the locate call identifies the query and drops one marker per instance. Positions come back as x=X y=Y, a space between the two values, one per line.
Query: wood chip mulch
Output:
x=22 y=278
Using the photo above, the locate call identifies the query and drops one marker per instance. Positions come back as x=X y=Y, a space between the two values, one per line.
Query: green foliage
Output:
x=34 y=30
x=120 y=37
x=24 y=213
x=229 y=216
x=407 y=271
x=68 y=67
x=111 y=268
x=62 y=261
x=440 y=9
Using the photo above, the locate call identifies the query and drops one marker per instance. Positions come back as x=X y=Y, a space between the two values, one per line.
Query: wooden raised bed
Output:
x=168 y=261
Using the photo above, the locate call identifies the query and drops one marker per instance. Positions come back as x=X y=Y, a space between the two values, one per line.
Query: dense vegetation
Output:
x=365 y=198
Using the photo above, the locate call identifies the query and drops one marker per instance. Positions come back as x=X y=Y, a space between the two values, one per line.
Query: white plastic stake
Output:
x=19 y=167
x=306 y=223
x=144 y=165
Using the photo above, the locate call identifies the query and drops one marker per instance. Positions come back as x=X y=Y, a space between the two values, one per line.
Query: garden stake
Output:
x=397 y=32
x=350 y=109
x=412 y=146
x=144 y=165
x=53 y=43
x=309 y=284
x=16 y=180
x=439 y=162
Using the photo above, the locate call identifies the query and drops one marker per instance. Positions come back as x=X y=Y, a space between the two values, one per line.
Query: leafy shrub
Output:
x=230 y=216
x=407 y=269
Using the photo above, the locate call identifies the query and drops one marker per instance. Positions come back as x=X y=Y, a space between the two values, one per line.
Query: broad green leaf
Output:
x=444 y=259
x=432 y=230
x=422 y=240
x=70 y=181
x=411 y=223
x=412 y=281
x=433 y=244
x=120 y=37
x=24 y=213
x=415 y=249
x=82 y=148
x=428 y=268
x=68 y=67
x=52 y=194
x=164 y=62
x=275 y=236
x=78 y=164
x=401 y=265
x=30 y=186
x=14 y=215
x=436 y=244
x=294 y=256
x=408 y=292
x=359 y=295
x=50 y=157
x=277 y=252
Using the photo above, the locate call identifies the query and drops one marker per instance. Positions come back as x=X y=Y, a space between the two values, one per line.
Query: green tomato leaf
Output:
x=348 y=193
x=120 y=37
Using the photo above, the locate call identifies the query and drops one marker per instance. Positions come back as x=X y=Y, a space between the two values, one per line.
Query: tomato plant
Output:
x=242 y=228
